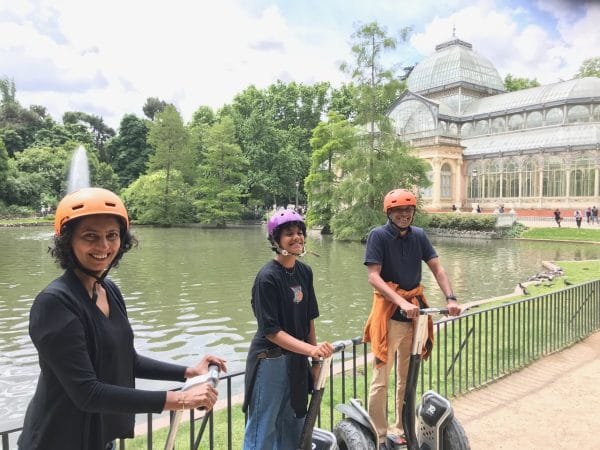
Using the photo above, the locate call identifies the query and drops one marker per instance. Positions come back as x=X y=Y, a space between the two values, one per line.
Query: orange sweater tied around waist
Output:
x=381 y=312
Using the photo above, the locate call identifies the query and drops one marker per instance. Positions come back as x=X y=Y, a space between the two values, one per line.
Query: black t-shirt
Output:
x=400 y=257
x=282 y=300
x=85 y=395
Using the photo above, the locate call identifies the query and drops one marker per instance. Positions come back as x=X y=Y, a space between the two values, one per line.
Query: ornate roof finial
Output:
x=454 y=30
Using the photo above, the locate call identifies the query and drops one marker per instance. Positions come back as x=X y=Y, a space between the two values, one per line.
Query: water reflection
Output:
x=188 y=290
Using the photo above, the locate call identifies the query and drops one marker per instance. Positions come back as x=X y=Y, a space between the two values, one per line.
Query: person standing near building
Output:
x=578 y=218
x=557 y=216
x=278 y=377
x=393 y=256
x=594 y=214
x=86 y=397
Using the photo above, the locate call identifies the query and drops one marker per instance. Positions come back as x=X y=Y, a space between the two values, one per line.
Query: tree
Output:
x=330 y=142
x=516 y=84
x=170 y=141
x=589 y=68
x=378 y=162
x=219 y=190
x=95 y=125
x=3 y=169
x=153 y=106
x=129 y=151
x=147 y=202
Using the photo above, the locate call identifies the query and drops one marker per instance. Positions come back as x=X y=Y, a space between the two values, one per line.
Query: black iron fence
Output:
x=469 y=351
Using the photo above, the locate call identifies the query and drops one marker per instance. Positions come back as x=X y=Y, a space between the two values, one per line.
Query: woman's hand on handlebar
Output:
x=202 y=366
x=201 y=396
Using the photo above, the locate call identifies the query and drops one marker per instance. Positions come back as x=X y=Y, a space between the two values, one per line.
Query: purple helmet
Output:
x=282 y=217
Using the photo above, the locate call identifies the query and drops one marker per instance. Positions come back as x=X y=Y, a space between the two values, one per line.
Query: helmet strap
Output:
x=99 y=279
x=283 y=252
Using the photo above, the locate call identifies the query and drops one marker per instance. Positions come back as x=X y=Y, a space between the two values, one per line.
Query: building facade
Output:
x=537 y=148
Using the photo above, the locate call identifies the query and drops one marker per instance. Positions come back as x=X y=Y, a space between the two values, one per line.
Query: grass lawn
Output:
x=563 y=234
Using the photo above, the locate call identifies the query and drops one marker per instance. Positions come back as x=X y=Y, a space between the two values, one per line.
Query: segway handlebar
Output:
x=338 y=346
x=431 y=311
x=212 y=377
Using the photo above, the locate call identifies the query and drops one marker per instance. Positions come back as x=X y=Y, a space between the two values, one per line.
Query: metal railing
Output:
x=469 y=352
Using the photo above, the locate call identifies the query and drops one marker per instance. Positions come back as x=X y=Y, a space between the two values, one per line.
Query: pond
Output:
x=188 y=290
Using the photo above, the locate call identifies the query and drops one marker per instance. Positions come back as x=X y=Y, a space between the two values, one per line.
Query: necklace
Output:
x=289 y=272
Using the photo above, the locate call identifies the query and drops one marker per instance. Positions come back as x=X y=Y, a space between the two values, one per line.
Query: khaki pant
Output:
x=399 y=339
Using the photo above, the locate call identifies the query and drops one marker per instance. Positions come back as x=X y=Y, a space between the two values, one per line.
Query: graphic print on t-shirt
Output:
x=298 y=296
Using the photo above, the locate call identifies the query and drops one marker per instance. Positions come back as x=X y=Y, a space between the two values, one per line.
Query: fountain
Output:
x=79 y=172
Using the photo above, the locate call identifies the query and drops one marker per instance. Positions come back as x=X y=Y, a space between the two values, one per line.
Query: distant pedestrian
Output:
x=478 y=208
x=594 y=214
x=557 y=216
x=588 y=214
x=578 y=218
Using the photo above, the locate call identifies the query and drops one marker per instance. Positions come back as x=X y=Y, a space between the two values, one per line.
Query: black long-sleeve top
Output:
x=85 y=395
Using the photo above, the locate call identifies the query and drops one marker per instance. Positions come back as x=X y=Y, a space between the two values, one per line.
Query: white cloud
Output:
x=107 y=58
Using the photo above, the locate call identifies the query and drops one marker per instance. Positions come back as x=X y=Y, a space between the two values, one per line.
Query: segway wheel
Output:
x=351 y=435
x=454 y=436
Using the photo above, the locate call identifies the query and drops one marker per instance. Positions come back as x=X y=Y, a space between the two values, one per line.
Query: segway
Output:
x=317 y=438
x=212 y=376
x=430 y=426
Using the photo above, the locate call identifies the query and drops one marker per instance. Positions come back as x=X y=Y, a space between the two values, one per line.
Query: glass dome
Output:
x=454 y=62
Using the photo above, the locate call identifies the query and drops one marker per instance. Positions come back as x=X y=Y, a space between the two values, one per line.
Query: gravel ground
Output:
x=552 y=404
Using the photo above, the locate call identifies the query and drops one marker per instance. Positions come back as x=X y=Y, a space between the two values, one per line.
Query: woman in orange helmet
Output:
x=393 y=256
x=86 y=397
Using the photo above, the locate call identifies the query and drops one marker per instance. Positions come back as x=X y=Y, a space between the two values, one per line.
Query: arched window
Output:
x=528 y=179
x=482 y=127
x=446 y=181
x=412 y=116
x=554 y=116
x=581 y=183
x=510 y=180
x=498 y=125
x=535 y=119
x=516 y=122
x=426 y=192
x=466 y=129
x=596 y=114
x=453 y=129
x=473 y=174
x=578 y=114
x=493 y=180
x=553 y=184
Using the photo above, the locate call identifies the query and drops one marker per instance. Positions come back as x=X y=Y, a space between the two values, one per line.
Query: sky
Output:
x=107 y=57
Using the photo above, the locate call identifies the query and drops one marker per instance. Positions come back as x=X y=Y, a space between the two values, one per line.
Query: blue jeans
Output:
x=272 y=424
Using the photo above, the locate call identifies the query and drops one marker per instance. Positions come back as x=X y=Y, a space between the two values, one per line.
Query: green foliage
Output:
x=170 y=140
x=464 y=221
x=589 y=68
x=273 y=128
x=94 y=126
x=153 y=106
x=330 y=142
x=128 y=151
x=148 y=202
x=3 y=168
x=377 y=162
x=516 y=84
x=221 y=176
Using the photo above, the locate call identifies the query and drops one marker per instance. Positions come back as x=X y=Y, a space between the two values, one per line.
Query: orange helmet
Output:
x=86 y=202
x=399 y=197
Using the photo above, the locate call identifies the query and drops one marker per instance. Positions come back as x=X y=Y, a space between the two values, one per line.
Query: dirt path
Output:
x=552 y=404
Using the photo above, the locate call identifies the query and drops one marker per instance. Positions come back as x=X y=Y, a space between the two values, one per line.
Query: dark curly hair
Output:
x=274 y=238
x=62 y=251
